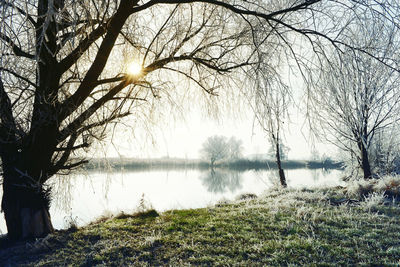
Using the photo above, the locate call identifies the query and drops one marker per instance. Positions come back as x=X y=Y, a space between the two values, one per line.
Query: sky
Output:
x=183 y=138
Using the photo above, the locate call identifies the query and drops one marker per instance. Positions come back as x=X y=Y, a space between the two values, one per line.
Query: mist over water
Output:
x=82 y=198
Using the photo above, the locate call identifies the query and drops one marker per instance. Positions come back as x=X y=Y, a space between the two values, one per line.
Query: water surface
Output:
x=83 y=198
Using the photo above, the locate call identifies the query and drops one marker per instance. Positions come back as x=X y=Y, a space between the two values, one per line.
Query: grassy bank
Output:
x=280 y=228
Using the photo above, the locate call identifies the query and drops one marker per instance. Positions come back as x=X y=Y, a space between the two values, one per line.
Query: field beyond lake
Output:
x=281 y=227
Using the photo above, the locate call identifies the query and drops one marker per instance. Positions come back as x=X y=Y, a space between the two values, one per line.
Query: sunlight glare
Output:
x=134 y=68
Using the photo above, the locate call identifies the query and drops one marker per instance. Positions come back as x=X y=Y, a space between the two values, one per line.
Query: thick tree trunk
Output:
x=25 y=222
x=25 y=206
x=281 y=172
x=25 y=219
x=365 y=166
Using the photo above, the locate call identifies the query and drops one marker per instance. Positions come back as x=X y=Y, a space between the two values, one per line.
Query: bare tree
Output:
x=270 y=102
x=215 y=148
x=384 y=152
x=235 y=148
x=64 y=78
x=218 y=147
x=356 y=99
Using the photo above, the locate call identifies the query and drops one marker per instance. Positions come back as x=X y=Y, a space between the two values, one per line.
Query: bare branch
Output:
x=19 y=76
x=72 y=58
x=77 y=123
x=21 y=11
x=16 y=49
x=114 y=27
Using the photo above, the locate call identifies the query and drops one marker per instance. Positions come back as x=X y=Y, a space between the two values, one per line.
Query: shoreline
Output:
x=281 y=227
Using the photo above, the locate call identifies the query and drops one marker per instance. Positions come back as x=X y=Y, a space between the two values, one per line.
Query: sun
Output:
x=134 y=68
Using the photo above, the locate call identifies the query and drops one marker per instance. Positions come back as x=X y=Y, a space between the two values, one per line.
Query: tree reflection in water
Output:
x=219 y=181
x=315 y=174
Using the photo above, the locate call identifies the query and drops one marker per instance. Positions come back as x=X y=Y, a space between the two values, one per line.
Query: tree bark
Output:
x=366 y=167
x=25 y=205
x=278 y=162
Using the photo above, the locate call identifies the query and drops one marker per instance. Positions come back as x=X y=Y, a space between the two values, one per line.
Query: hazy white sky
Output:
x=183 y=139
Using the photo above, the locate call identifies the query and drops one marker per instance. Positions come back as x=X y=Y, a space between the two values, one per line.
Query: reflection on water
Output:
x=218 y=181
x=85 y=197
x=315 y=174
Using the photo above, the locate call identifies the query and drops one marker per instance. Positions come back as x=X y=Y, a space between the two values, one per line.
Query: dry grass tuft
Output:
x=388 y=185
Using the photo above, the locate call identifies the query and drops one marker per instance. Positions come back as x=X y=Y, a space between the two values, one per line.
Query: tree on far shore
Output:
x=215 y=148
x=218 y=147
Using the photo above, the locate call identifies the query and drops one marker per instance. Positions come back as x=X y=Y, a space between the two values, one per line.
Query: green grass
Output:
x=283 y=227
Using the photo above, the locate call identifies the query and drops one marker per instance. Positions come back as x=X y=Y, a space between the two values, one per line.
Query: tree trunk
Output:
x=364 y=162
x=278 y=162
x=25 y=205
x=366 y=167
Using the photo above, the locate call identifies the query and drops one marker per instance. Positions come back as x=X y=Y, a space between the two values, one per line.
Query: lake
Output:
x=82 y=198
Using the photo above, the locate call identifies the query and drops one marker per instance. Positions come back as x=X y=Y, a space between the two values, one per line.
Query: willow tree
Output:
x=64 y=77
